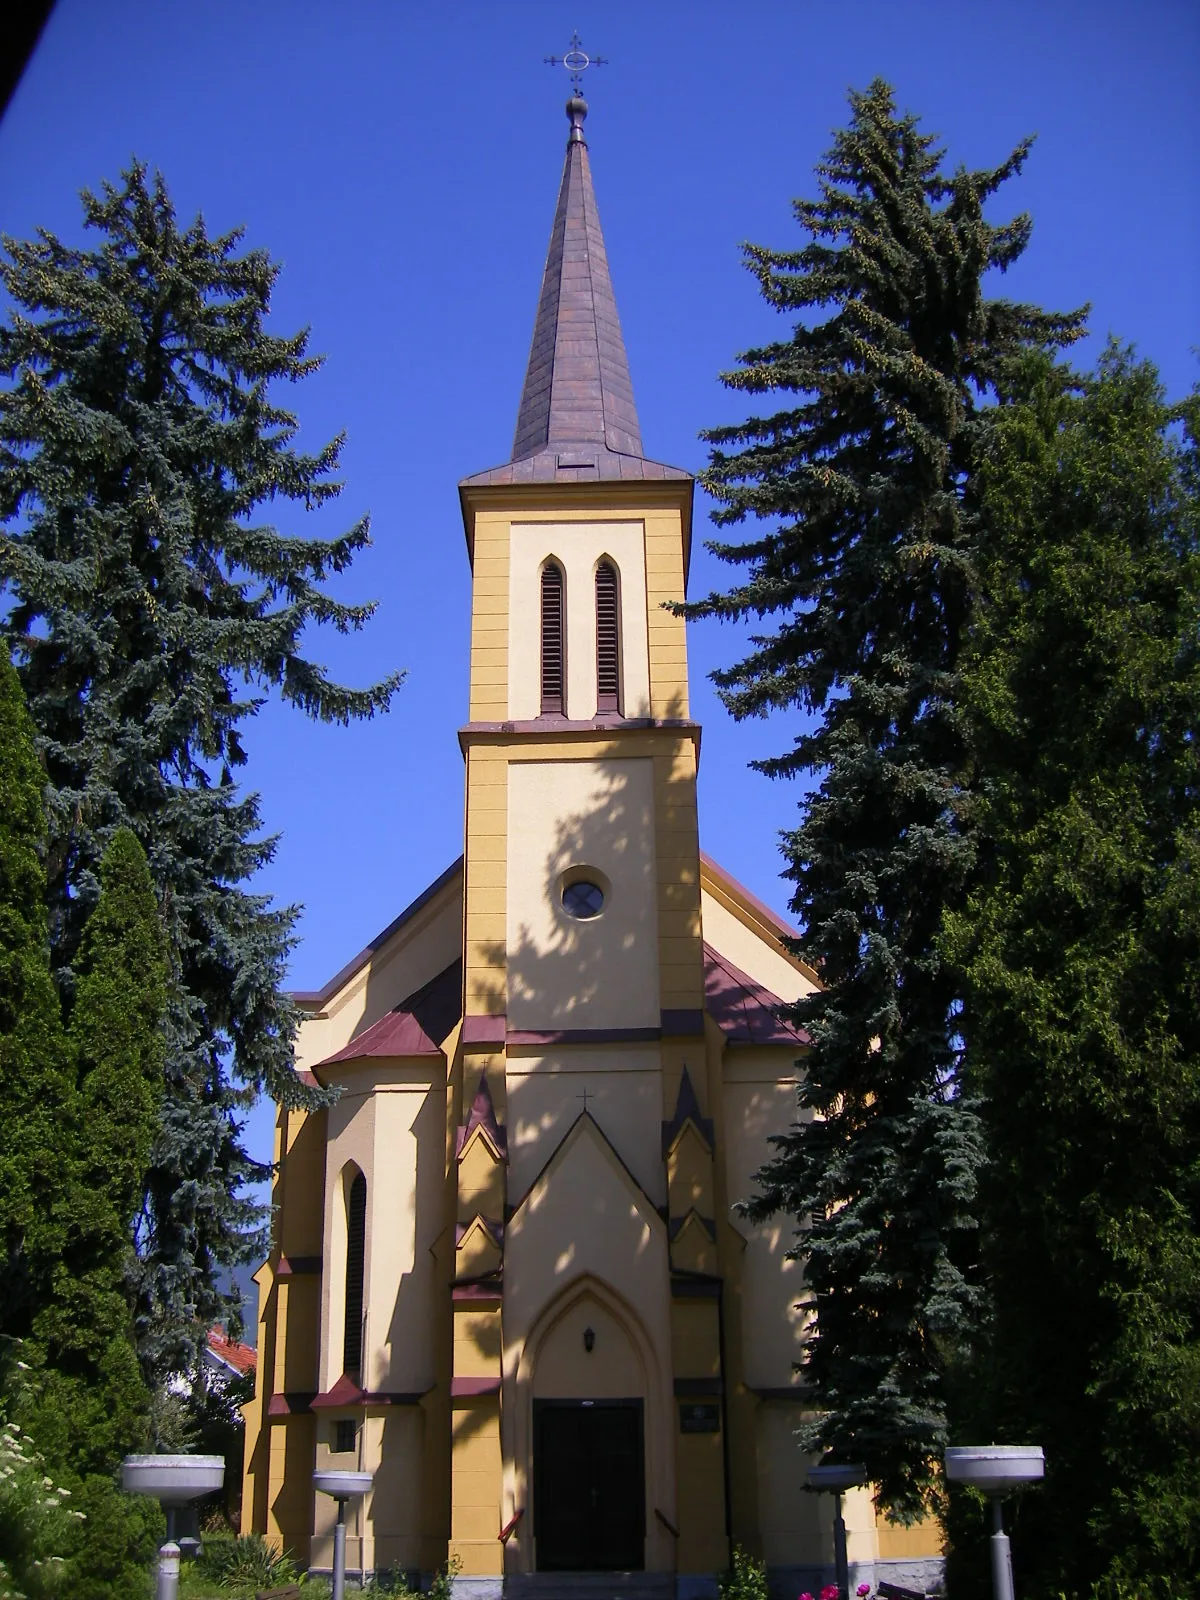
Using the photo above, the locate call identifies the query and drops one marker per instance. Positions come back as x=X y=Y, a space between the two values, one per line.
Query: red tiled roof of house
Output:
x=241 y=1357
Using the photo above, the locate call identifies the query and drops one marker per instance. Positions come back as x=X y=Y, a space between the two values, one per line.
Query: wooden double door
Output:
x=589 y=1485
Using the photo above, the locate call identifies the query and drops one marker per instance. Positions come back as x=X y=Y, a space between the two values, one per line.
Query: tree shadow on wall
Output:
x=632 y=834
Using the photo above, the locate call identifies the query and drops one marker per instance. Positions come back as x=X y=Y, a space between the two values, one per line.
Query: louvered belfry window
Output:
x=608 y=665
x=554 y=652
x=356 y=1239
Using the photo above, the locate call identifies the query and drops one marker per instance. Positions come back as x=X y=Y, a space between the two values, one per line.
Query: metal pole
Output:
x=1002 y=1580
x=168 y=1563
x=339 y=1554
x=840 y=1561
x=168 y=1572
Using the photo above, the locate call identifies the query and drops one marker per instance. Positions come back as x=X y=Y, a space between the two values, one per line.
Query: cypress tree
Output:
x=35 y=1074
x=1081 y=949
x=78 y=1115
x=93 y=1406
x=151 y=610
x=861 y=467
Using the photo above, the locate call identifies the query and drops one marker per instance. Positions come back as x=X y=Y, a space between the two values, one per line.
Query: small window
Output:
x=608 y=632
x=583 y=899
x=356 y=1238
x=554 y=652
x=344 y=1436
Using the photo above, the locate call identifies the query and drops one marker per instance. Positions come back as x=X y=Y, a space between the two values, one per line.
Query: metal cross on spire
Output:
x=576 y=61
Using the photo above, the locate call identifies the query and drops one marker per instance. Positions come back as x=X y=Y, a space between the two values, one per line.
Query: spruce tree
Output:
x=1081 y=948
x=861 y=466
x=151 y=609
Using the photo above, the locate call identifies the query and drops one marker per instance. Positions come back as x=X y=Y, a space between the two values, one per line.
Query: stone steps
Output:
x=590 y=1586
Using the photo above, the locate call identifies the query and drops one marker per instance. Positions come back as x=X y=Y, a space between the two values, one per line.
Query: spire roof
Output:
x=577 y=420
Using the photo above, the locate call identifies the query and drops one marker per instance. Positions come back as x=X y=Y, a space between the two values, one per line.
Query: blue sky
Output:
x=402 y=161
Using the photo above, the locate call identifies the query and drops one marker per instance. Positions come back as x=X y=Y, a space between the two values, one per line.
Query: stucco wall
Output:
x=586 y=1236
x=760 y=1100
x=425 y=946
x=389 y=1123
x=545 y=1095
x=757 y=957
x=562 y=972
x=577 y=547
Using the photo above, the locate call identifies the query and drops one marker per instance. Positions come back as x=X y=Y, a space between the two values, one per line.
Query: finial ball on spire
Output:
x=577 y=110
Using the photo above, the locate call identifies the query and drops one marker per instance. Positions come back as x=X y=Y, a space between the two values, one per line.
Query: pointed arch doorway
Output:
x=591 y=1441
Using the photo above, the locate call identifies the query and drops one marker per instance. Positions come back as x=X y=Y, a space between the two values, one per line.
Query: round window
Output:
x=583 y=899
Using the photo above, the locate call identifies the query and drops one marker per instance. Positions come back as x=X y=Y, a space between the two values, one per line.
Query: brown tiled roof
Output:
x=745 y=1012
x=577 y=421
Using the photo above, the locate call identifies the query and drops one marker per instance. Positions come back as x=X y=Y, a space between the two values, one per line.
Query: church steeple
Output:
x=577 y=420
x=577 y=386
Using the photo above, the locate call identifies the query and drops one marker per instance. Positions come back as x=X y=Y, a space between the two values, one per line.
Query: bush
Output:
x=246 y=1562
x=37 y=1527
x=746 y=1578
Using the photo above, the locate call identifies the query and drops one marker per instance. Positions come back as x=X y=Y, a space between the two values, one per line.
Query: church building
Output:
x=508 y=1276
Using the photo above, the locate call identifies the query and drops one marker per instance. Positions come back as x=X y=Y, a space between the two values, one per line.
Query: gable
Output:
x=404 y=966
x=750 y=937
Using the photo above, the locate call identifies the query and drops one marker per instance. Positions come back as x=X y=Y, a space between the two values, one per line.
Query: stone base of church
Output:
x=924 y=1575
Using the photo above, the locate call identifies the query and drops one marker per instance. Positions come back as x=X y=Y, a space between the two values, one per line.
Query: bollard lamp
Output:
x=997 y=1469
x=342 y=1486
x=173 y=1481
x=835 y=1477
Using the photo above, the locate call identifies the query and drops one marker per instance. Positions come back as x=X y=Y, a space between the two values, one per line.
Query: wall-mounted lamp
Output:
x=589 y=1339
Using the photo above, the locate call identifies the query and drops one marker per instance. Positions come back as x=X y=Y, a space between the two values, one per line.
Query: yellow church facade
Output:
x=508 y=1275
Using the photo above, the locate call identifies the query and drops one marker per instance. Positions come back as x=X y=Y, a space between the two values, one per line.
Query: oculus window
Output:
x=583 y=899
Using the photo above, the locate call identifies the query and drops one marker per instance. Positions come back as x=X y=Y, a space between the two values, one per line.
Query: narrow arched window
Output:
x=356 y=1239
x=554 y=644
x=608 y=632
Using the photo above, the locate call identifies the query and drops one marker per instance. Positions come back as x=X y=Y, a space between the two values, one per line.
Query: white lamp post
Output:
x=997 y=1469
x=342 y=1486
x=172 y=1481
x=835 y=1479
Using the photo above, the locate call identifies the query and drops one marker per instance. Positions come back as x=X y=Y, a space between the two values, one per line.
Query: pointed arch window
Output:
x=554 y=641
x=608 y=639
x=356 y=1240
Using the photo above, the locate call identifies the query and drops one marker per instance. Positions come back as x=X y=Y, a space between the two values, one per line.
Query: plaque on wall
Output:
x=699 y=1416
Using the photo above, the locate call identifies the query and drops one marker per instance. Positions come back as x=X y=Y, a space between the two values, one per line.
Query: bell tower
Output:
x=583 y=956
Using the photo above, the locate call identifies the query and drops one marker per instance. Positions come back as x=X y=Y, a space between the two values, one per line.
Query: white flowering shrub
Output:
x=37 y=1524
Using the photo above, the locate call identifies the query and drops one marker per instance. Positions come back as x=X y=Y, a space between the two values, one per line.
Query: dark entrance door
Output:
x=589 y=1499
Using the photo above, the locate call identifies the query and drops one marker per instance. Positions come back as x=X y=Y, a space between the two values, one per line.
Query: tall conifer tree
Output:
x=1081 y=948
x=139 y=442
x=861 y=467
x=92 y=1403
x=35 y=1072
x=79 y=1115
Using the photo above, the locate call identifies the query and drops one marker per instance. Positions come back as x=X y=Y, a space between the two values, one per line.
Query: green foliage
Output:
x=35 y=1074
x=38 y=1524
x=1081 y=950
x=80 y=1109
x=247 y=1561
x=149 y=612
x=861 y=583
x=746 y=1578
x=88 y=1405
